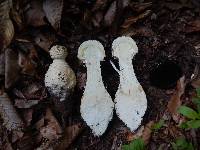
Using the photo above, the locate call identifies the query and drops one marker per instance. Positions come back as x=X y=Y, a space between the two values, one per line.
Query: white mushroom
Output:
x=130 y=99
x=60 y=78
x=96 y=104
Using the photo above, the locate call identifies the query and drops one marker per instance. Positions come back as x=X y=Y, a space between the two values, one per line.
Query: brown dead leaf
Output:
x=131 y=136
x=52 y=130
x=28 y=114
x=27 y=58
x=141 y=31
x=7 y=146
x=35 y=91
x=99 y=4
x=196 y=78
x=27 y=64
x=44 y=40
x=143 y=132
x=17 y=14
x=34 y=14
x=6 y=25
x=139 y=7
x=97 y=19
x=16 y=135
x=81 y=80
x=131 y=20
x=173 y=5
x=175 y=101
x=70 y=134
x=146 y=135
x=12 y=68
x=11 y=119
x=26 y=142
x=23 y=103
x=110 y=14
x=193 y=26
x=2 y=64
x=116 y=144
x=53 y=10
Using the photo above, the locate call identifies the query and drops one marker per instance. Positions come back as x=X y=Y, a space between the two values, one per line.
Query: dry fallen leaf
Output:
x=28 y=114
x=193 y=26
x=17 y=14
x=52 y=130
x=81 y=80
x=53 y=10
x=143 y=132
x=34 y=15
x=70 y=134
x=16 y=135
x=2 y=64
x=116 y=144
x=12 y=68
x=23 y=103
x=146 y=135
x=139 y=7
x=99 y=4
x=110 y=14
x=175 y=101
x=6 y=25
x=44 y=39
x=196 y=78
x=131 y=20
x=141 y=31
x=10 y=117
x=27 y=61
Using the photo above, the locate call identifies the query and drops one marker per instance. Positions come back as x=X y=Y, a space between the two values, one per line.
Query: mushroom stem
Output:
x=130 y=99
x=91 y=66
x=126 y=75
x=96 y=104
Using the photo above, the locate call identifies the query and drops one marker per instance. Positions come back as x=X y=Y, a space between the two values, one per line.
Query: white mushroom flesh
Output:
x=60 y=78
x=130 y=99
x=96 y=104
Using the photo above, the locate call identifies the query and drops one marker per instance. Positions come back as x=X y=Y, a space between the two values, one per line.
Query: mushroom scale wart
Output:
x=96 y=104
x=60 y=79
x=130 y=99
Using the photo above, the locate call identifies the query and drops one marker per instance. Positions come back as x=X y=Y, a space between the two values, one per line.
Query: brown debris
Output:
x=12 y=68
x=45 y=40
x=70 y=134
x=11 y=119
x=34 y=13
x=2 y=64
x=193 y=26
x=53 y=10
x=110 y=14
x=131 y=20
x=139 y=7
x=143 y=132
x=52 y=130
x=175 y=101
x=141 y=31
x=6 y=25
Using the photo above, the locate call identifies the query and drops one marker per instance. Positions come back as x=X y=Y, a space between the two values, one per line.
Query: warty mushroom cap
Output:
x=85 y=51
x=124 y=43
x=58 y=52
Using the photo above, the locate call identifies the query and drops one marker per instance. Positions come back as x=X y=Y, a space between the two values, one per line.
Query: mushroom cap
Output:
x=91 y=49
x=124 y=47
x=58 y=52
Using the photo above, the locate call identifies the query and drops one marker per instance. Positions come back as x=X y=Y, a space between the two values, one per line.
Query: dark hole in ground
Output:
x=165 y=75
